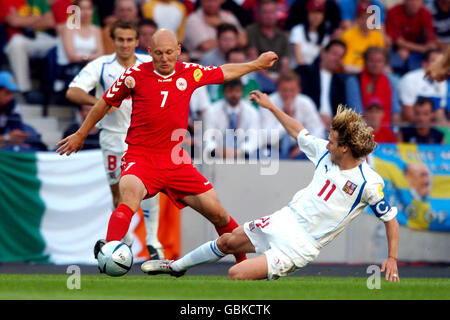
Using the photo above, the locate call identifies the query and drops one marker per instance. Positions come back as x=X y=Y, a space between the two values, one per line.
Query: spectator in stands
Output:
x=349 y=11
x=323 y=82
x=11 y=126
x=440 y=10
x=409 y=27
x=79 y=45
x=264 y=35
x=413 y=85
x=125 y=10
x=61 y=12
x=14 y=134
x=373 y=114
x=147 y=28
x=201 y=28
x=238 y=116
x=309 y=37
x=289 y=99
x=249 y=82
x=168 y=14
x=92 y=140
x=372 y=82
x=27 y=24
x=358 y=39
x=421 y=131
x=227 y=39
x=332 y=16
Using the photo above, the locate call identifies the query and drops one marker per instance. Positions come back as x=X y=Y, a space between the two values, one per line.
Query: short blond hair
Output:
x=353 y=132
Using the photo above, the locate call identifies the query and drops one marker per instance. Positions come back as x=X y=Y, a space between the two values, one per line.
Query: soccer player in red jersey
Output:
x=161 y=91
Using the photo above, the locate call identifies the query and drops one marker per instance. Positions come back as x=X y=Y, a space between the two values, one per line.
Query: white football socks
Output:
x=206 y=253
x=150 y=208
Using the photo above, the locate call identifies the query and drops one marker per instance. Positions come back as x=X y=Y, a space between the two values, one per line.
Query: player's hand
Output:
x=437 y=70
x=390 y=266
x=72 y=143
x=261 y=98
x=266 y=59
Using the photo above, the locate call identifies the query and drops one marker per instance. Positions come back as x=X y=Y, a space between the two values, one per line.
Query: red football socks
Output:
x=228 y=228
x=119 y=223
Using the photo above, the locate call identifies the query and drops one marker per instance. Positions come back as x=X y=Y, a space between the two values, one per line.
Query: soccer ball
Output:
x=115 y=258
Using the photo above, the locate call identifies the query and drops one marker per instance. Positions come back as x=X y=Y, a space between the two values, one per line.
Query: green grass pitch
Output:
x=39 y=286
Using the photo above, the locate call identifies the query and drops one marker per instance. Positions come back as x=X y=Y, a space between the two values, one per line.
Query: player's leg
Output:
x=208 y=204
x=209 y=252
x=250 y=269
x=150 y=208
x=132 y=191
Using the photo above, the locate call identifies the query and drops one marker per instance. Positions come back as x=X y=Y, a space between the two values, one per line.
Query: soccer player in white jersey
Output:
x=342 y=186
x=100 y=74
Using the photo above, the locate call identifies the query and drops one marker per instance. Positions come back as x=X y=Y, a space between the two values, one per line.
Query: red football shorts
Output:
x=159 y=173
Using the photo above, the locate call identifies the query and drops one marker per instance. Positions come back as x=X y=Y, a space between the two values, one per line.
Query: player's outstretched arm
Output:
x=79 y=96
x=235 y=70
x=75 y=141
x=292 y=126
x=390 y=264
x=439 y=69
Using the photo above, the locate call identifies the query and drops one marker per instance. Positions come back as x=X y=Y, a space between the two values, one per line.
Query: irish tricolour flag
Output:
x=54 y=208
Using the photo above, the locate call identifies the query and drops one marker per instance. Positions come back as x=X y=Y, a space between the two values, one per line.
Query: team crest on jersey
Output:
x=349 y=187
x=130 y=82
x=198 y=74
x=181 y=84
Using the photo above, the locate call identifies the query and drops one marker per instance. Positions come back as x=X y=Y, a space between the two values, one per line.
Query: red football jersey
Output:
x=160 y=103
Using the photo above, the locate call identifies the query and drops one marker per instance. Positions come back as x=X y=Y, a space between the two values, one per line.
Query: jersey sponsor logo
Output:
x=381 y=207
x=198 y=74
x=349 y=187
x=181 y=84
x=130 y=82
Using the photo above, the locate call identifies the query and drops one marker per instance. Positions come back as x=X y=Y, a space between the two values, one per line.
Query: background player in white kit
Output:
x=342 y=186
x=100 y=74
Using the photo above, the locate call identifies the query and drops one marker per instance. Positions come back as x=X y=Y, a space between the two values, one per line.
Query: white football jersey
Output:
x=335 y=197
x=100 y=74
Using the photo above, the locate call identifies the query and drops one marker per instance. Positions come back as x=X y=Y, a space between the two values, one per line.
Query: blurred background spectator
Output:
x=223 y=120
x=409 y=27
x=349 y=11
x=332 y=16
x=147 y=28
x=289 y=98
x=372 y=82
x=310 y=36
x=168 y=14
x=201 y=28
x=323 y=81
x=15 y=135
x=264 y=35
x=227 y=39
x=440 y=10
x=125 y=10
x=359 y=38
x=421 y=130
x=79 y=45
x=29 y=26
x=374 y=113
x=249 y=80
x=413 y=85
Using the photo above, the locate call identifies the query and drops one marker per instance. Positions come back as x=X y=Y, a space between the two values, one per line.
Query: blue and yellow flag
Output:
x=417 y=181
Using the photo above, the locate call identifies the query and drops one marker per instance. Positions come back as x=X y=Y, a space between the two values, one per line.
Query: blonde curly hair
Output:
x=353 y=132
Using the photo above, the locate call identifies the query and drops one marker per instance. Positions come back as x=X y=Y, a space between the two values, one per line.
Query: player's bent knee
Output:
x=223 y=243
x=234 y=273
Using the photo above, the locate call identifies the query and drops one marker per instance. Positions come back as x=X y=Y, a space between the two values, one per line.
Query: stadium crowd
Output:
x=368 y=54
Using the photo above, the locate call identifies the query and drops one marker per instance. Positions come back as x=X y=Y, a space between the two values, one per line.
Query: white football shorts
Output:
x=113 y=146
x=285 y=243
